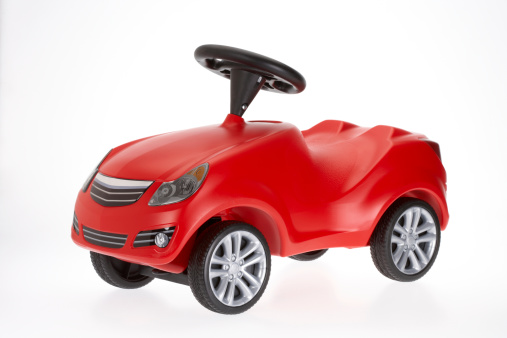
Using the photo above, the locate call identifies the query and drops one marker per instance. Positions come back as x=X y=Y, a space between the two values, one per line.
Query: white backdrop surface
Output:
x=80 y=77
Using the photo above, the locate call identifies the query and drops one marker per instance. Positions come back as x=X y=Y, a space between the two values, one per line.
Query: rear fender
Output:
x=428 y=193
x=425 y=179
x=436 y=202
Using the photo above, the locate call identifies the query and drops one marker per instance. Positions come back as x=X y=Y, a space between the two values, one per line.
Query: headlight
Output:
x=94 y=172
x=180 y=189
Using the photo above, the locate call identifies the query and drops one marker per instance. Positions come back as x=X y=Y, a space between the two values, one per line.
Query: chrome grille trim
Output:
x=119 y=183
x=147 y=238
x=108 y=200
x=115 y=192
x=105 y=239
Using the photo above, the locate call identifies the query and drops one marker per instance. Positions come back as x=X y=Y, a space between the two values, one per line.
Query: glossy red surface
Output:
x=324 y=187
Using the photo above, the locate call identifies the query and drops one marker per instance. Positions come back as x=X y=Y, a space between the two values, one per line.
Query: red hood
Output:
x=168 y=156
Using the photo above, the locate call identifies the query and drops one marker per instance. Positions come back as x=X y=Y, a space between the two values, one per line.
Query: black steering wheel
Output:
x=278 y=77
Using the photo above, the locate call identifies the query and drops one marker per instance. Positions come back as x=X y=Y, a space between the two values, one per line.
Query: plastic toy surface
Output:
x=207 y=207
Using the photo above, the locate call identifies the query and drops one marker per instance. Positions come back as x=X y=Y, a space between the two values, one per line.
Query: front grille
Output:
x=75 y=224
x=115 y=192
x=105 y=239
x=147 y=238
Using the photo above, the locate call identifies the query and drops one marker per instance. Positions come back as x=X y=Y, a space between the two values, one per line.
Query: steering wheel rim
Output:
x=279 y=77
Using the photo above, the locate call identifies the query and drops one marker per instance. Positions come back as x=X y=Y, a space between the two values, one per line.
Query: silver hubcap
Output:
x=413 y=240
x=238 y=268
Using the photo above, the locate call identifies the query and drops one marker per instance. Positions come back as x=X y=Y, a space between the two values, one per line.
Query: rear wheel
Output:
x=405 y=243
x=118 y=273
x=229 y=267
x=309 y=256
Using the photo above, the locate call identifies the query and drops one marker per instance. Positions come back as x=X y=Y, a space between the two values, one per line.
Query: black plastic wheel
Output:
x=223 y=59
x=405 y=243
x=229 y=267
x=309 y=256
x=118 y=273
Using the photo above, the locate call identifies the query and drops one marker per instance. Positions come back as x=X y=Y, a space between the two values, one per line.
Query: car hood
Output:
x=168 y=156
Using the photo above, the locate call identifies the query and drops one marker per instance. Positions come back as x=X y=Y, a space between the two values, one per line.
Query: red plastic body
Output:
x=321 y=188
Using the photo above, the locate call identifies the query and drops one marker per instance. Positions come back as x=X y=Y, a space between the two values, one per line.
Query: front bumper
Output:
x=126 y=222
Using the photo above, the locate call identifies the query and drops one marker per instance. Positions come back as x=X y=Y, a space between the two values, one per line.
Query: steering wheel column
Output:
x=244 y=88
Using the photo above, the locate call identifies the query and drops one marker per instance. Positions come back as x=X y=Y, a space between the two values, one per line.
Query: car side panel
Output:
x=285 y=187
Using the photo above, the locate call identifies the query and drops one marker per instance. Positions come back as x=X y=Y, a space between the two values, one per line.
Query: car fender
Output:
x=424 y=180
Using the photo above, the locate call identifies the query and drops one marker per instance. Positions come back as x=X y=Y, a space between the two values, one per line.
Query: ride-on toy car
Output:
x=207 y=207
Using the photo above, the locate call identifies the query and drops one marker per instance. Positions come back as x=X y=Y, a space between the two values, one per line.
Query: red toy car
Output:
x=207 y=207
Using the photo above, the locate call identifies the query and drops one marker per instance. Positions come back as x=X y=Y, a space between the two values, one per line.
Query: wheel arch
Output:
x=436 y=202
x=439 y=205
x=269 y=223
x=262 y=221
x=421 y=194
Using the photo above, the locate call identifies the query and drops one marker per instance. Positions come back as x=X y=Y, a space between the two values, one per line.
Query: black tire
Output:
x=383 y=247
x=309 y=256
x=200 y=263
x=118 y=273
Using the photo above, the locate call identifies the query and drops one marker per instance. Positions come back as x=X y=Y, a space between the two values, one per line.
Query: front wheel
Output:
x=406 y=241
x=118 y=273
x=229 y=267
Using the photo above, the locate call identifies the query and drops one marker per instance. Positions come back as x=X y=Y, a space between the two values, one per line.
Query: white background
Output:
x=81 y=77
